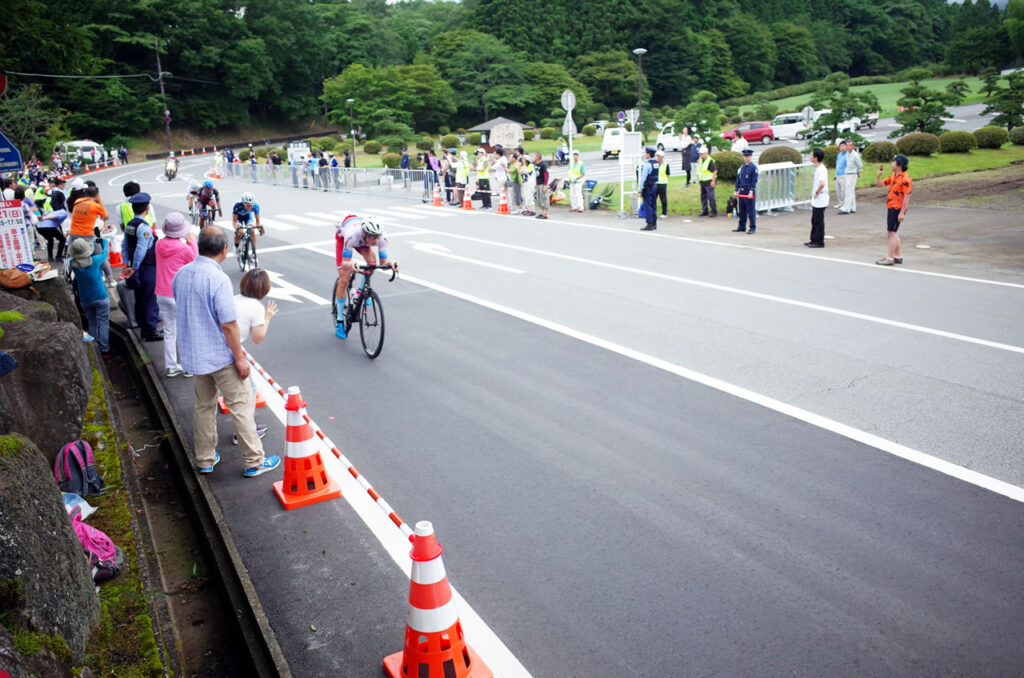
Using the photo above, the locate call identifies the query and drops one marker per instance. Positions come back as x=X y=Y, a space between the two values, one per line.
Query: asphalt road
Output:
x=645 y=454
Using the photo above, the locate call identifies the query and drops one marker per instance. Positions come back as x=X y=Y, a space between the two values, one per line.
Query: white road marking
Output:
x=277 y=225
x=333 y=218
x=287 y=291
x=479 y=635
x=442 y=251
x=929 y=461
x=304 y=220
x=410 y=212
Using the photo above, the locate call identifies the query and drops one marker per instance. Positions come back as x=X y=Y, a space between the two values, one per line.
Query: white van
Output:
x=788 y=126
x=80 y=149
x=611 y=142
x=668 y=140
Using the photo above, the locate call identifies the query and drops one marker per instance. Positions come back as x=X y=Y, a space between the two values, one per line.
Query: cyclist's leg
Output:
x=238 y=232
x=343 y=261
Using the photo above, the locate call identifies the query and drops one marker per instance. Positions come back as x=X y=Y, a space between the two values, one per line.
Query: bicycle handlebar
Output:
x=366 y=268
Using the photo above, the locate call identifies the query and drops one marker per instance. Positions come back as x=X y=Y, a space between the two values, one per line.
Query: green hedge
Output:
x=424 y=143
x=474 y=138
x=372 y=147
x=918 y=143
x=589 y=130
x=450 y=141
x=728 y=164
x=780 y=154
x=547 y=133
x=808 y=87
x=1017 y=136
x=991 y=137
x=879 y=151
x=391 y=160
x=342 y=147
x=830 y=155
x=444 y=129
x=957 y=142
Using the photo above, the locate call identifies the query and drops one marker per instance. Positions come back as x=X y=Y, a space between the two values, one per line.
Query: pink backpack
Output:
x=105 y=558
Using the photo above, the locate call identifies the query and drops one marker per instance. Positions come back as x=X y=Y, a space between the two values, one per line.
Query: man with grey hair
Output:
x=210 y=347
x=854 y=167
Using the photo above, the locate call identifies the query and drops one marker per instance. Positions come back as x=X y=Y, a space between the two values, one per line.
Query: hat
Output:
x=139 y=197
x=650 y=149
x=576 y=151
x=81 y=250
x=480 y=150
x=703 y=150
x=453 y=150
x=747 y=152
x=659 y=152
x=78 y=184
x=175 y=225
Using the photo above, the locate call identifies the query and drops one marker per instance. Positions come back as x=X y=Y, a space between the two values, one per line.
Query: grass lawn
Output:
x=888 y=93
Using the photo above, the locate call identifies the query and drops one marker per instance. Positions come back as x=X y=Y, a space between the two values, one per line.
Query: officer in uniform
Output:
x=649 y=189
x=746 y=183
x=139 y=256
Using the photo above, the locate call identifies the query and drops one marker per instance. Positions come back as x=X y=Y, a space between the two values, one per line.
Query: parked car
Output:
x=668 y=140
x=753 y=131
x=599 y=125
x=611 y=142
x=788 y=126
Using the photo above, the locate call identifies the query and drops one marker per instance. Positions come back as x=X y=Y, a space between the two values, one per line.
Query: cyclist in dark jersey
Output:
x=244 y=212
x=206 y=196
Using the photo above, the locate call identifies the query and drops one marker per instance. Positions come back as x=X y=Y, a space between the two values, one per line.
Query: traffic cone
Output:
x=435 y=646
x=86 y=168
x=467 y=204
x=503 y=203
x=260 y=400
x=305 y=478
x=204 y=151
x=437 y=196
x=115 y=259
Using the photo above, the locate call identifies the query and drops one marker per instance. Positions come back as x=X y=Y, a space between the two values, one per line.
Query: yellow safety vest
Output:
x=482 y=170
x=663 y=173
x=704 y=172
x=575 y=171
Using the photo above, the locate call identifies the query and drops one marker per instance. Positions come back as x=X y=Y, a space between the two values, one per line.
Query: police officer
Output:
x=746 y=183
x=649 y=189
x=140 y=258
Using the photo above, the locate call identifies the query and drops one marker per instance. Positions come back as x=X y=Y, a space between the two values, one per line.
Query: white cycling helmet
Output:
x=371 y=227
x=248 y=198
x=193 y=184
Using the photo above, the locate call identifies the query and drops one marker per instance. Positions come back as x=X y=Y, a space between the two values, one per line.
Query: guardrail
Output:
x=783 y=186
x=410 y=182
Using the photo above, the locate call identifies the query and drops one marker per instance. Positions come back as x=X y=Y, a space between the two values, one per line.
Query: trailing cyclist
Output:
x=359 y=234
x=244 y=212
x=190 y=197
x=206 y=196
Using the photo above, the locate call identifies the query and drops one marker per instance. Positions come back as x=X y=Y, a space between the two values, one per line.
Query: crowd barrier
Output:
x=783 y=186
x=410 y=182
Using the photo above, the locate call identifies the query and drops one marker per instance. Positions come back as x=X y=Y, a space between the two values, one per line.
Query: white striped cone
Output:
x=306 y=480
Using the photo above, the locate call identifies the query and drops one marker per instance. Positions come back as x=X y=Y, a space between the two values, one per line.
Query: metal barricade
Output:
x=783 y=186
x=413 y=183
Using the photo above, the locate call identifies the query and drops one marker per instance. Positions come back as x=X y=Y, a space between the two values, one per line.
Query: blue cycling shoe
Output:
x=339 y=330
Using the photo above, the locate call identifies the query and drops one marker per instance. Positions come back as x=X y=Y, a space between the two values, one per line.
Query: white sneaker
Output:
x=175 y=371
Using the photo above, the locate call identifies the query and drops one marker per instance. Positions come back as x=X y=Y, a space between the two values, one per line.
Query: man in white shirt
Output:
x=854 y=167
x=739 y=144
x=819 y=199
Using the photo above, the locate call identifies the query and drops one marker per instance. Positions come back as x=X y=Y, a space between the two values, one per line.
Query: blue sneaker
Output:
x=269 y=464
x=339 y=330
x=205 y=470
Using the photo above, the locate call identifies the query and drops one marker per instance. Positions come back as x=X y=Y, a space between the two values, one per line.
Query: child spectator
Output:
x=92 y=293
x=253 y=318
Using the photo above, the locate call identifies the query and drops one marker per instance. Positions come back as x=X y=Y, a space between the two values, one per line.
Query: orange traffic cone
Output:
x=204 y=150
x=260 y=400
x=503 y=203
x=467 y=204
x=433 y=633
x=115 y=259
x=437 y=196
x=305 y=478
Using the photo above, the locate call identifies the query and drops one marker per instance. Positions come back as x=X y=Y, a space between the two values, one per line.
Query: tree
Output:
x=959 y=89
x=989 y=83
x=28 y=117
x=1008 y=102
x=701 y=114
x=487 y=77
x=754 y=53
x=1013 y=25
x=763 y=109
x=844 y=105
x=797 y=54
x=610 y=77
x=974 y=50
x=924 y=107
x=548 y=81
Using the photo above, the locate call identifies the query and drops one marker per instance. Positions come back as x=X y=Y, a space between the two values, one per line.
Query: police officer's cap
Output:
x=139 y=197
x=747 y=151
x=651 y=150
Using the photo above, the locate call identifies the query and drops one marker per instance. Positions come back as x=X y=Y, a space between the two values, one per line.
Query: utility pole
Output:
x=163 y=95
x=639 y=52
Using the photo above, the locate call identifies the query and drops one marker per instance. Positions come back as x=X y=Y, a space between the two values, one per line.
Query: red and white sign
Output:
x=14 y=244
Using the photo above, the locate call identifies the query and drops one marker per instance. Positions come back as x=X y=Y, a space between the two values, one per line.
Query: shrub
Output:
x=342 y=147
x=547 y=133
x=728 y=164
x=243 y=155
x=830 y=155
x=424 y=143
x=722 y=119
x=918 y=143
x=589 y=130
x=461 y=130
x=991 y=137
x=315 y=144
x=1017 y=136
x=530 y=123
x=611 y=124
x=391 y=160
x=444 y=129
x=474 y=138
x=262 y=152
x=328 y=141
x=957 y=142
x=450 y=141
x=879 y=151
x=393 y=142
x=372 y=147
x=780 y=154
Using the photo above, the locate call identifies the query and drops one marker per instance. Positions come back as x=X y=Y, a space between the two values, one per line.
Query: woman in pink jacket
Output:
x=173 y=251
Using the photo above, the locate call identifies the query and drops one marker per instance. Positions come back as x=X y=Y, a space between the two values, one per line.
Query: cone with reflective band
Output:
x=305 y=479
x=503 y=203
x=260 y=400
x=435 y=646
x=467 y=203
x=437 y=196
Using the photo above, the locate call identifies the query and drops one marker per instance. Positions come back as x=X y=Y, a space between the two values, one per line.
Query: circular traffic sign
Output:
x=622 y=116
x=568 y=100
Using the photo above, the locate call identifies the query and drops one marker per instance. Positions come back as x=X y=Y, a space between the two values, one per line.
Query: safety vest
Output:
x=575 y=171
x=482 y=169
x=663 y=173
x=704 y=172
x=127 y=214
x=461 y=173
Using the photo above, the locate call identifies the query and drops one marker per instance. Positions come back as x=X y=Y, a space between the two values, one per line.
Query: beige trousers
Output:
x=239 y=399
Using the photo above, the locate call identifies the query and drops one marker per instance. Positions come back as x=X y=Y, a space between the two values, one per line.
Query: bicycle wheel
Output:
x=194 y=215
x=251 y=246
x=242 y=254
x=334 y=305
x=371 y=324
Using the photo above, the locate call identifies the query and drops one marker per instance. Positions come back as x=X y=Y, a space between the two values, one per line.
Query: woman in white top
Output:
x=253 y=318
x=739 y=144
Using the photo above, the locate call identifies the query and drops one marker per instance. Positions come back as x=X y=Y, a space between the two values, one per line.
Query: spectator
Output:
x=577 y=172
x=210 y=348
x=173 y=251
x=139 y=257
x=662 y=185
x=541 y=175
x=840 y=175
x=819 y=199
x=52 y=229
x=897 y=203
x=8 y=188
x=347 y=159
x=483 y=178
x=746 y=187
x=461 y=165
x=515 y=182
x=92 y=294
x=707 y=176
x=254 y=319
x=28 y=210
x=86 y=209
x=526 y=172
x=500 y=167
x=686 y=144
x=58 y=199
x=739 y=143
x=648 y=183
x=854 y=167
x=406 y=162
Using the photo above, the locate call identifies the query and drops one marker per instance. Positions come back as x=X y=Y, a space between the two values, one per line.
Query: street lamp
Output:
x=352 y=131
x=639 y=52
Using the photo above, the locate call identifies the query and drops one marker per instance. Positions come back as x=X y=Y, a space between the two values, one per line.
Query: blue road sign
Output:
x=10 y=157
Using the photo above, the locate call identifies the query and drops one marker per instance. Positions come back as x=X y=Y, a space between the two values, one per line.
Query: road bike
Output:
x=363 y=306
x=193 y=214
x=207 y=212
x=245 y=252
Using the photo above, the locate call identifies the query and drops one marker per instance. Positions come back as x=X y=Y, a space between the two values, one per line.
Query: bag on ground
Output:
x=106 y=559
x=75 y=469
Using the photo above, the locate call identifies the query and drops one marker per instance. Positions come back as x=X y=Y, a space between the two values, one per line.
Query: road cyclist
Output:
x=246 y=215
x=206 y=196
x=356 y=234
x=190 y=198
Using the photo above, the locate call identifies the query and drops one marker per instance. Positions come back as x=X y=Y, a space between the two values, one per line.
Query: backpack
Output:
x=74 y=469
x=106 y=559
x=14 y=279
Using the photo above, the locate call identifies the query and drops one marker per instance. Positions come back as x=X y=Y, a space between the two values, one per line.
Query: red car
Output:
x=753 y=131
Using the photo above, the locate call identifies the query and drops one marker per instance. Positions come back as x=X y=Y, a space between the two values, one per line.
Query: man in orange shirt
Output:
x=897 y=203
x=84 y=215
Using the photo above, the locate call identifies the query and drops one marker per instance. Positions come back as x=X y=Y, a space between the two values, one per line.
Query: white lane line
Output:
x=853 y=262
x=442 y=251
x=303 y=220
x=277 y=225
x=410 y=212
x=929 y=461
x=479 y=635
x=333 y=218
x=297 y=246
x=748 y=293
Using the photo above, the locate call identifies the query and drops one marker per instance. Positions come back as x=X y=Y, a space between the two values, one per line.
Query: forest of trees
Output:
x=420 y=65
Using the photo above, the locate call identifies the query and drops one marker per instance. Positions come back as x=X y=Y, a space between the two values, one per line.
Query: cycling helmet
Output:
x=193 y=184
x=371 y=227
x=248 y=198
x=208 y=184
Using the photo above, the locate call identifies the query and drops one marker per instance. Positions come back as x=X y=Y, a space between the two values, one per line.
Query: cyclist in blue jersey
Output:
x=244 y=212
x=356 y=234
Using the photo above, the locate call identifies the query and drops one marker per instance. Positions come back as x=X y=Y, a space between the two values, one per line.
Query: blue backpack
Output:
x=74 y=469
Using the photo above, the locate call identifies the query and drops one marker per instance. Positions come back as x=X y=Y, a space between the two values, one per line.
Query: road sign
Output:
x=632 y=147
x=10 y=157
x=14 y=245
x=568 y=100
x=569 y=126
x=622 y=116
x=808 y=113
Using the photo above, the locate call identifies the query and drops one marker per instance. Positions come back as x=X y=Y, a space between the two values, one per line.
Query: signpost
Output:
x=632 y=152
x=569 y=126
x=808 y=114
x=10 y=157
x=14 y=245
x=622 y=117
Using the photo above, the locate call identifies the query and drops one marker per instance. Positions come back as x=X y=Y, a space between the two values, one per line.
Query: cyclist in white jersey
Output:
x=356 y=234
